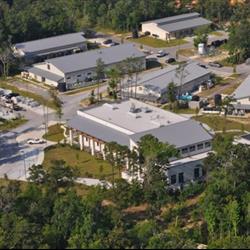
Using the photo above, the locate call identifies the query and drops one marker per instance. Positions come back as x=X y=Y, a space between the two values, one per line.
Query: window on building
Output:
x=200 y=146
x=68 y=78
x=89 y=73
x=79 y=75
x=181 y=178
x=184 y=151
x=173 y=179
x=48 y=66
x=87 y=139
x=208 y=144
x=196 y=173
x=203 y=172
x=97 y=144
x=192 y=149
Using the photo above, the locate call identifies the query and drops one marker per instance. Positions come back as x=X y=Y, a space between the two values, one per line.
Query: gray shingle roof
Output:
x=243 y=91
x=51 y=42
x=98 y=130
x=186 y=24
x=180 y=134
x=174 y=18
x=44 y=73
x=162 y=78
x=87 y=60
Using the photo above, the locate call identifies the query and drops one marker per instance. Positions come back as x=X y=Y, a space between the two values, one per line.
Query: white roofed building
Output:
x=127 y=121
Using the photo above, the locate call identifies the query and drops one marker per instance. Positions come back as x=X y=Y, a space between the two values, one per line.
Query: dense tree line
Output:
x=31 y=19
x=49 y=212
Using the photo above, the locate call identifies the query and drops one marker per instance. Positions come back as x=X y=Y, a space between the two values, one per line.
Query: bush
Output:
x=192 y=190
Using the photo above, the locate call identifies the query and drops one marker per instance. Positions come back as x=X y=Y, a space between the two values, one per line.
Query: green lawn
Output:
x=158 y=43
x=55 y=133
x=186 y=52
x=220 y=123
x=87 y=165
x=50 y=103
x=84 y=89
x=216 y=33
x=180 y=110
x=8 y=125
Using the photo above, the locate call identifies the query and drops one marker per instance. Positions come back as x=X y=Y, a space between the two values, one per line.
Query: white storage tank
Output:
x=201 y=49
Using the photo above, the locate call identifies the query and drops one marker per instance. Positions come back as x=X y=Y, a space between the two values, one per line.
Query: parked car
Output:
x=215 y=64
x=161 y=53
x=17 y=108
x=108 y=41
x=170 y=60
x=36 y=141
x=203 y=66
x=128 y=37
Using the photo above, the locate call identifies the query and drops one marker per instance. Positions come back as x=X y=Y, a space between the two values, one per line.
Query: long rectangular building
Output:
x=42 y=49
x=75 y=70
x=242 y=96
x=153 y=86
x=175 y=26
x=126 y=122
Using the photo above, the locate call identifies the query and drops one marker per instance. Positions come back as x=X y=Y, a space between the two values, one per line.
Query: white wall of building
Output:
x=244 y=101
x=187 y=170
x=50 y=68
x=155 y=30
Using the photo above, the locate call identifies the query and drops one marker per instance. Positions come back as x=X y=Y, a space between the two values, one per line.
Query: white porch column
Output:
x=71 y=137
x=81 y=142
x=102 y=146
x=92 y=147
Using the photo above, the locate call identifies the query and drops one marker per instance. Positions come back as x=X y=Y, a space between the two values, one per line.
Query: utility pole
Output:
x=24 y=164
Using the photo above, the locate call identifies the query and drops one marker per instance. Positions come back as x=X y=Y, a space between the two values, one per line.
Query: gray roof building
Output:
x=178 y=131
x=44 y=73
x=180 y=22
x=186 y=24
x=173 y=18
x=243 y=91
x=160 y=79
x=174 y=26
x=180 y=135
x=87 y=60
x=51 y=44
x=98 y=130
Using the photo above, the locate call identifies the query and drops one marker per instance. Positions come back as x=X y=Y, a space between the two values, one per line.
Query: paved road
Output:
x=30 y=88
x=71 y=103
x=16 y=156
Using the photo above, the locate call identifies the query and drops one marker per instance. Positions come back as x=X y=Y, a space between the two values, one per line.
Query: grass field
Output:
x=216 y=33
x=221 y=123
x=186 y=52
x=50 y=103
x=8 y=125
x=230 y=90
x=84 y=89
x=158 y=43
x=180 y=110
x=55 y=133
x=87 y=165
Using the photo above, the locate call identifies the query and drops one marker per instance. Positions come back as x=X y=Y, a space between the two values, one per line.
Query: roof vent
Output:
x=132 y=108
x=108 y=105
x=147 y=110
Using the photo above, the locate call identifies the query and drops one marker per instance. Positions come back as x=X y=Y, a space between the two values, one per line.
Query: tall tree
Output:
x=99 y=75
